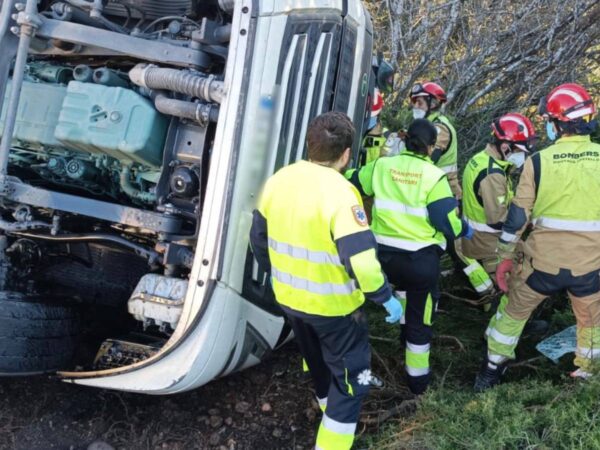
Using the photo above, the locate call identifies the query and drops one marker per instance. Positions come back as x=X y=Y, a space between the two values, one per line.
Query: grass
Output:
x=538 y=406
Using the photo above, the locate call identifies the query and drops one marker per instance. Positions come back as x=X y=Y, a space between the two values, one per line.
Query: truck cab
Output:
x=135 y=139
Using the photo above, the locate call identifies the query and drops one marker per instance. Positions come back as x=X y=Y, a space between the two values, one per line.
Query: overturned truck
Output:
x=135 y=137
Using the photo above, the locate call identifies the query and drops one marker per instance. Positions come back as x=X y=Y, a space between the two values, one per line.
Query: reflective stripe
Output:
x=508 y=237
x=503 y=338
x=319 y=257
x=588 y=353
x=417 y=372
x=415 y=348
x=401 y=208
x=481 y=226
x=497 y=359
x=471 y=268
x=568 y=225
x=487 y=284
x=322 y=403
x=312 y=286
x=337 y=427
x=450 y=169
x=405 y=245
x=401 y=296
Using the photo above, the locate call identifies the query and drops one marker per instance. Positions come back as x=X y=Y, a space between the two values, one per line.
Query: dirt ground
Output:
x=265 y=407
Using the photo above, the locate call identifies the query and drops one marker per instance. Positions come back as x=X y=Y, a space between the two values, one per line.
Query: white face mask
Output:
x=418 y=113
x=517 y=159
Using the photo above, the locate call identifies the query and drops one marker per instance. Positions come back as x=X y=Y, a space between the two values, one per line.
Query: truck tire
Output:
x=35 y=337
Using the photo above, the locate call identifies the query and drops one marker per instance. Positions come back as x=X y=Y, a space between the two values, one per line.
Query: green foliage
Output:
x=538 y=407
x=528 y=414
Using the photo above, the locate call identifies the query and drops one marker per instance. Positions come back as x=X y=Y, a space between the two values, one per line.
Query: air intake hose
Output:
x=183 y=82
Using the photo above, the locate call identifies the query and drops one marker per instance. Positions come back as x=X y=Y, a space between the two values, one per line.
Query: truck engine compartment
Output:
x=109 y=147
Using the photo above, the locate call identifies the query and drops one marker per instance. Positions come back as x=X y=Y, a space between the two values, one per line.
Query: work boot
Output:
x=489 y=376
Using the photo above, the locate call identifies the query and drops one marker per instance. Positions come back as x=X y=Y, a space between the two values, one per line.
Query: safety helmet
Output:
x=428 y=89
x=567 y=103
x=377 y=105
x=376 y=108
x=516 y=129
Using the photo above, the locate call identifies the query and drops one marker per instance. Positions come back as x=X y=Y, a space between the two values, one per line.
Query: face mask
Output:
x=418 y=113
x=550 y=131
x=517 y=159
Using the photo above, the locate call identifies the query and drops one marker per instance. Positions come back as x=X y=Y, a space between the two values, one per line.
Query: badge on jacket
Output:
x=360 y=216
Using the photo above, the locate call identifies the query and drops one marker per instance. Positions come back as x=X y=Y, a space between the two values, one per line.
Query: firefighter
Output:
x=427 y=100
x=377 y=135
x=414 y=214
x=559 y=193
x=487 y=189
x=311 y=231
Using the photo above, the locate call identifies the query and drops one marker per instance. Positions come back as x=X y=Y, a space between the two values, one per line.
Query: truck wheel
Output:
x=35 y=337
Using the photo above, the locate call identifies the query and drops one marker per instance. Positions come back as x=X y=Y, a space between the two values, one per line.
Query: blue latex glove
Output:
x=469 y=232
x=394 y=309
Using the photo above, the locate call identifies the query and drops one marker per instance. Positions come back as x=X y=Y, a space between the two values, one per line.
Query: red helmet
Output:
x=377 y=105
x=567 y=102
x=428 y=89
x=516 y=129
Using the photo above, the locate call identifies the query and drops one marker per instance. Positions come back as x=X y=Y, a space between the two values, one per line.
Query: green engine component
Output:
x=114 y=121
x=37 y=115
x=50 y=73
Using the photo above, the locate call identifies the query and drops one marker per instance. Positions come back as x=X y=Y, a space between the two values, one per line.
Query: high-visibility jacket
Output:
x=448 y=162
x=478 y=169
x=374 y=144
x=568 y=186
x=320 y=249
x=559 y=190
x=414 y=207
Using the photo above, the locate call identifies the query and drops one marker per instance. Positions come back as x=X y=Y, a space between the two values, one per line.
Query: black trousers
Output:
x=338 y=355
x=416 y=273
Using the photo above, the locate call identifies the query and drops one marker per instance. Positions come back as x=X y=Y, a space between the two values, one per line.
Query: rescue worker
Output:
x=487 y=186
x=559 y=193
x=311 y=231
x=414 y=213
x=377 y=134
x=427 y=100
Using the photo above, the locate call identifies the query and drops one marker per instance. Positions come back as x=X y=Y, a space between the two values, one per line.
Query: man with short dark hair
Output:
x=310 y=229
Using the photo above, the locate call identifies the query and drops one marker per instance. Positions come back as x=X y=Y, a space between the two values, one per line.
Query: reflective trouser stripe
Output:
x=497 y=359
x=334 y=435
x=312 y=286
x=483 y=227
x=568 y=225
x=503 y=332
x=322 y=403
x=478 y=277
x=401 y=208
x=305 y=366
x=588 y=347
x=417 y=359
x=319 y=257
x=450 y=169
x=508 y=237
x=404 y=244
x=401 y=296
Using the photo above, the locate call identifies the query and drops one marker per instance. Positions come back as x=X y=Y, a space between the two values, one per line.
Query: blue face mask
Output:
x=550 y=131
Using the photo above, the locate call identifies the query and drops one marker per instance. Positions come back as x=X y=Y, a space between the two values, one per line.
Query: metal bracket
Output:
x=127 y=45
x=148 y=220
